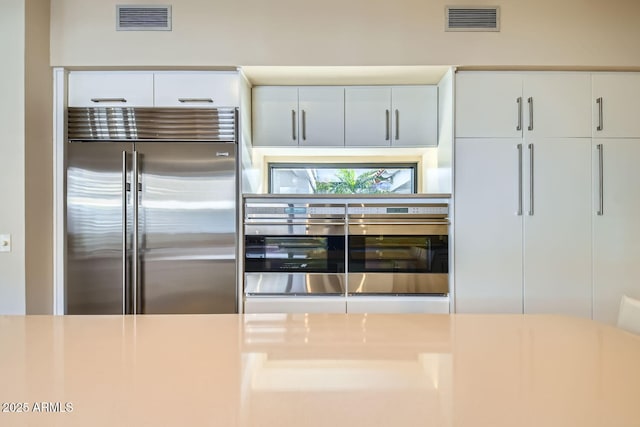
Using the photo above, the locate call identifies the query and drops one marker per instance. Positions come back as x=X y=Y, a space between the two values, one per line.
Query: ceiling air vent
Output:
x=475 y=18
x=143 y=18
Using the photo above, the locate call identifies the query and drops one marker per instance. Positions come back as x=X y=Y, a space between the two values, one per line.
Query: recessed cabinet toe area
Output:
x=545 y=192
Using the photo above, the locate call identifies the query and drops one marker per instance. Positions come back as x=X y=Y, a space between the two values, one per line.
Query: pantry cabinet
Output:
x=308 y=116
x=523 y=193
x=192 y=89
x=616 y=229
x=397 y=116
x=488 y=226
x=523 y=226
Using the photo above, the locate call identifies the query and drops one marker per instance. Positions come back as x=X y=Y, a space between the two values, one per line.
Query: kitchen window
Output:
x=342 y=178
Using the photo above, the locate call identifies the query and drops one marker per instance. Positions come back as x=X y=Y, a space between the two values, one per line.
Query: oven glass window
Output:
x=311 y=254
x=398 y=254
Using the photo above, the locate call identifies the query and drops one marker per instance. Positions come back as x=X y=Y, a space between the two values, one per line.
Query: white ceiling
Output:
x=372 y=75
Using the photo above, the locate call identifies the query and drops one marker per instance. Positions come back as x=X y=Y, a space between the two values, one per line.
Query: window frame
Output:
x=413 y=166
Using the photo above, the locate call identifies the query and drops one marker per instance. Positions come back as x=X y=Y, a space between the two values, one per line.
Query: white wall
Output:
x=349 y=32
x=12 y=146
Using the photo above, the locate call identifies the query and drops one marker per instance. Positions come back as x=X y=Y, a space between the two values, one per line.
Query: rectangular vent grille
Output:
x=143 y=18
x=485 y=18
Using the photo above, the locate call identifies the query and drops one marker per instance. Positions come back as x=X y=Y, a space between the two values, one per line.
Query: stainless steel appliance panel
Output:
x=294 y=284
x=187 y=228
x=98 y=244
x=398 y=249
x=398 y=283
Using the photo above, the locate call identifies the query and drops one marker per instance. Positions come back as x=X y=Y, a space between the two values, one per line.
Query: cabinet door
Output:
x=618 y=94
x=616 y=232
x=488 y=227
x=321 y=116
x=368 y=117
x=557 y=105
x=196 y=89
x=110 y=88
x=415 y=116
x=275 y=113
x=489 y=105
x=557 y=225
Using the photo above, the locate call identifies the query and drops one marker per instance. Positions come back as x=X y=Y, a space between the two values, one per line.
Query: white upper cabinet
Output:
x=321 y=116
x=557 y=105
x=110 y=88
x=615 y=105
x=415 y=116
x=368 y=116
x=153 y=89
x=196 y=89
x=309 y=116
x=398 y=116
x=274 y=116
x=509 y=104
x=488 y=105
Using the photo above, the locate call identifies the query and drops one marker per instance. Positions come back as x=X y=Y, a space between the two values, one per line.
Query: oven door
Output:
x=294 y=259
x=409 y=258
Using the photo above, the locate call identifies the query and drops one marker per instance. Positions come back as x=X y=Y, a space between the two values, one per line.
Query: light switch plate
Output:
x=5 y=242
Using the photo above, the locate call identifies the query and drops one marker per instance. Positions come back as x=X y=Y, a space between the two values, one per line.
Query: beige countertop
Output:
x=317 y=370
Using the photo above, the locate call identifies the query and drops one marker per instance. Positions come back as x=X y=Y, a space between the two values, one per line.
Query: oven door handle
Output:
x=400 y=229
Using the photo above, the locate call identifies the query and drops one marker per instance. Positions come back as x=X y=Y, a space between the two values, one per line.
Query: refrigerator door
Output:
x=186 y=228
x=98 y=245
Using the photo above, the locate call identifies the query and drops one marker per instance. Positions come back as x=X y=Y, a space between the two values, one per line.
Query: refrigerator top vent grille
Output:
x=476 y=18
x=143 y=18
x=151 y=124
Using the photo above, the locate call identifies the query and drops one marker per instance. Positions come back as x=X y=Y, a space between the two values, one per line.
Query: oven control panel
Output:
x=276 y=211
x=439 y=210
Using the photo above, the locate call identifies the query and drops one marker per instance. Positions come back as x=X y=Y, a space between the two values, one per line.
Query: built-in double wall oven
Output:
x=294 y=248
x=398 y=249
x=347 y=249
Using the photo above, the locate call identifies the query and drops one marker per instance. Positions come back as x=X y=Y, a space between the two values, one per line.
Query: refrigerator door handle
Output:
x=125 y=189
x=134 y=264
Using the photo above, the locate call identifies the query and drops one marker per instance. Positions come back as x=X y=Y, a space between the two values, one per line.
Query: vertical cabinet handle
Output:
x=125 y=190
x=134 y=264
x=293 y=124
x=600 y=124
x=304 y=125
x=519 y=147
x=530 y=102
x=519 y=102
x=530 y=179
x=600 y=180
x=387 y=119
x=397 y=124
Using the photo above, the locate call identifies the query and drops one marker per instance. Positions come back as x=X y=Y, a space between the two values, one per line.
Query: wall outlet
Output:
x=5 y=242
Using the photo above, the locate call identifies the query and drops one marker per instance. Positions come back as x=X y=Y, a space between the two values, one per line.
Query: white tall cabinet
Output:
x=616 y=229
x=523 y=193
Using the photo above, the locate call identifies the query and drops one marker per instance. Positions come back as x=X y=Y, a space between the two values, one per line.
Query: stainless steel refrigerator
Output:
x=151 y=196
